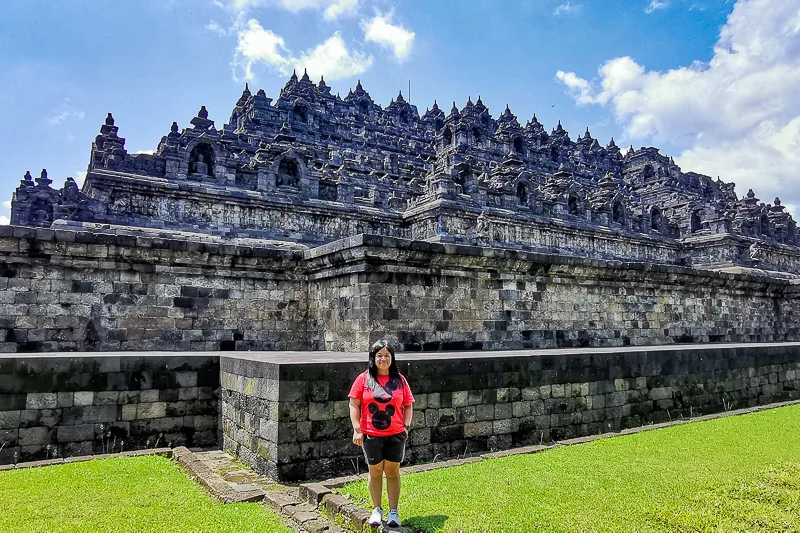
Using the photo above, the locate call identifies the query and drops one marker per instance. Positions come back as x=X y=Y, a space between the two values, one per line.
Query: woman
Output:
x=381 y=412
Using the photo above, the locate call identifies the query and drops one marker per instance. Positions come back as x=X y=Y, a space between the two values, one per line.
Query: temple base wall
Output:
x=66 y=290
x=288 y=418
x=66 y=405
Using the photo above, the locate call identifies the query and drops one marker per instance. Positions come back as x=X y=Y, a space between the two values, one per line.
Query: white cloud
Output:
x=331 y=9
x=7 y=204
x=567 y=8
x=80 y=177
x=4 y=221
x=580 y=89
x=380 y=30
x=66 y=114
x=219 y=29
x=737 y=116
x=655 y=5
x=259 y=45
x=144 y=152
x=340 y=7
x=332 y=58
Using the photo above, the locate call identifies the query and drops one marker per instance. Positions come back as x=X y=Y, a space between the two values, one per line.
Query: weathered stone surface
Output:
x=562 y=407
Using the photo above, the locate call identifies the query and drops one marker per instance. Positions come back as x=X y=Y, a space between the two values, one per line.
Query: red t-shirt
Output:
x=382 y=408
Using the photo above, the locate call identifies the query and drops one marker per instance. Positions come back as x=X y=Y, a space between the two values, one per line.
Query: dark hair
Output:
x=373 y=368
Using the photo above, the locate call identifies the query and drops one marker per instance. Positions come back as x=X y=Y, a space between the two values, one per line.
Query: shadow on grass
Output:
x=425 y=524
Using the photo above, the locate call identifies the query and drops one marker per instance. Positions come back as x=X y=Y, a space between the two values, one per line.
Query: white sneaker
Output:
x=393 y=520
x=376 y=517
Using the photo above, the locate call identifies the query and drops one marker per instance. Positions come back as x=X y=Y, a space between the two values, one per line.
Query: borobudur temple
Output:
x=320 y=222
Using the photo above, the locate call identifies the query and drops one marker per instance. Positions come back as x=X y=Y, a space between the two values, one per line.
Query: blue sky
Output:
x=712 y=82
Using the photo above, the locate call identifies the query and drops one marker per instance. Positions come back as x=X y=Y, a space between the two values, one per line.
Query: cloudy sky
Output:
x=714 y=83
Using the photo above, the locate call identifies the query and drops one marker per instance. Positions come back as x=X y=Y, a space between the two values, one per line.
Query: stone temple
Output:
x=311 y=168
x=315 y=222
x=232 y=281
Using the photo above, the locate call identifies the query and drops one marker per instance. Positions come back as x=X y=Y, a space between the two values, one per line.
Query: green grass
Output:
x=128 y=494
x=733 y=474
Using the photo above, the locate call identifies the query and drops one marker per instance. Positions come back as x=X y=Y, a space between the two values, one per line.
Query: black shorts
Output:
x=391 y=448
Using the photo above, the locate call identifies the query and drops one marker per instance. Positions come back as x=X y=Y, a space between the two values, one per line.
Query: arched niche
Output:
x=41 y=211
x=518 y=144
x=617 y=212
x=403 y=116
x=288 y=172
x=447 y=136
x=300 y=113
x=363 y=107
x=656 y=219
x=574 y=204
x=695 y=222
x=477 y=135
x=648 y=171
x=554 y=153
x=439 y=124
x=765 y=229
x=201 y=160
x=523 y=193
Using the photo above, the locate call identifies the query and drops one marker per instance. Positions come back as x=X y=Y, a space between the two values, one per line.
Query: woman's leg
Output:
x=376 y=483
x=392 y=471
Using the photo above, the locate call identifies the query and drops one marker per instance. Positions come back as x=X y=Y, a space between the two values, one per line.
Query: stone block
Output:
x=521 y=409
x=500 y=427
x=186 y=378
x=151 y=410
x=9 y=419
x=129 y=412
x=36 y=436
x=503 y=410
x=433 y=400
x=478 y=429
x=341 y=409
x=321 y=410
x=485 y=412
x=419 y=437
x=431 y=417
x=530 y=393
x=83 y=398
x=40 y=417
x=37 y=400
x=66 y=399
x=80 y=432
x=149 y=395
x=89 y=414
x=187 y=393
x=106 y=398
x=460 y=398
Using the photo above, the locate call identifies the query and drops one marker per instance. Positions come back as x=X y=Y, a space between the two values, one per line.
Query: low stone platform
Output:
x=286 y=413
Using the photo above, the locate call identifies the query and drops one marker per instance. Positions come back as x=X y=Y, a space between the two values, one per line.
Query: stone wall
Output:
x=79 y=290
x=63 y=290
x=288 y=417
x=434 y=296
x=62 y=405
x=222 y=210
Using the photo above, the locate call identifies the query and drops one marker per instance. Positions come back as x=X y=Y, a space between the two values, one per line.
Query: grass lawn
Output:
x=739 y=473
x=140 y=494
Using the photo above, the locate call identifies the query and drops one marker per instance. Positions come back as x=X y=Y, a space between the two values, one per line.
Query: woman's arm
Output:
x=408 y=415
x=355 y=420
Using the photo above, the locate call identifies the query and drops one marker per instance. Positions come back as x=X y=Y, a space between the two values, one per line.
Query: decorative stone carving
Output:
x=264 y=173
